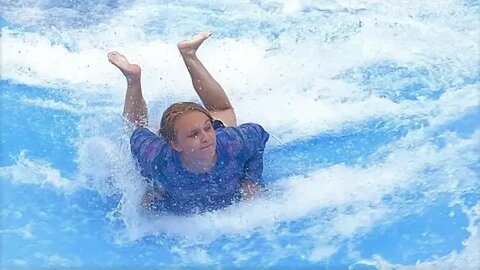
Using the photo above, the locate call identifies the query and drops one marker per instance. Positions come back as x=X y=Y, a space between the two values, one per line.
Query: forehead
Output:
x=191 y=120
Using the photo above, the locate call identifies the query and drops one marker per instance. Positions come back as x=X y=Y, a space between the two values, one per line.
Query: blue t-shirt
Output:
x=239 y=157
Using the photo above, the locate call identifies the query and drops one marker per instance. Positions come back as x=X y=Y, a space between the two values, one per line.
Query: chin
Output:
x=210 y=153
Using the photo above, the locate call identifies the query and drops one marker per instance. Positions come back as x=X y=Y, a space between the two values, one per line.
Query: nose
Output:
x=204 y=137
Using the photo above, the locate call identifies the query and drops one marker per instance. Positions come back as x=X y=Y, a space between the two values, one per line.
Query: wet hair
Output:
x=171 y=115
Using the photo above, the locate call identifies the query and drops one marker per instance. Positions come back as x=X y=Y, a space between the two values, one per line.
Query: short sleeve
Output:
x=254 y=138
x=146 y=146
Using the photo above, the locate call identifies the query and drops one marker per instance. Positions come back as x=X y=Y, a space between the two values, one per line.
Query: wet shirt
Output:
x=239 y=157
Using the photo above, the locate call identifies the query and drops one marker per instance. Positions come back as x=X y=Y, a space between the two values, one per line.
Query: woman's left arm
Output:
x=248 y=189
x=255 y=138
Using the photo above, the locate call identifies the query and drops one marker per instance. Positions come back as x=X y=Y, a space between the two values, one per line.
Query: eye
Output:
x=208 y=127
x=193 y=135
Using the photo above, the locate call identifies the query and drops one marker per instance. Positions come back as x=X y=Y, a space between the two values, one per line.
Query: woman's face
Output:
x=195 y=136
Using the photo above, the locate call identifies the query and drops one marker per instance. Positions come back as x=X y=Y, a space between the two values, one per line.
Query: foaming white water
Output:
x=467 y=258
x=298 y=70
x=294 y=85
x=37 y=172
x=339 y=201
x=336 y=187
x=25 y=232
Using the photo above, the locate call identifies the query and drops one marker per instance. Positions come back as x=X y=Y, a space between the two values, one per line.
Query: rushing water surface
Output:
x=373 y=107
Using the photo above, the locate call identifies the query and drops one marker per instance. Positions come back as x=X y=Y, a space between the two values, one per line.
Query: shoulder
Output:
x=244 y=135
x=144 y=141
x=249 y=131
x=252 y=129
x=242 y=130
x=254 y=136
x=140 y=133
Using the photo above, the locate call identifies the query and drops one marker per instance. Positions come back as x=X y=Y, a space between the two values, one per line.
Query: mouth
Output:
x=206 y=147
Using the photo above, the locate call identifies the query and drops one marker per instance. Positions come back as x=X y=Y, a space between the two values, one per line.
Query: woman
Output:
x=200 y=160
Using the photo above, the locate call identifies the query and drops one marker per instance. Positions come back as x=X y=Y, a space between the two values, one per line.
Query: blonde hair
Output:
x=171 y=115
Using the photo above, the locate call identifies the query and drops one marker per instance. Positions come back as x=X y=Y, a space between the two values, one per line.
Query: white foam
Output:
x=20 y=263
x=25 y=231
x=300 y=72
x=467 y=258
x=57 y=260
x=308 y=99
x=351 y=194
x=293 y=85
x=37 y=172
x=336 y=186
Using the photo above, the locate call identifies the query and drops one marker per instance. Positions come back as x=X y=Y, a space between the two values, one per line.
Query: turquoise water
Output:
x=373 y=108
